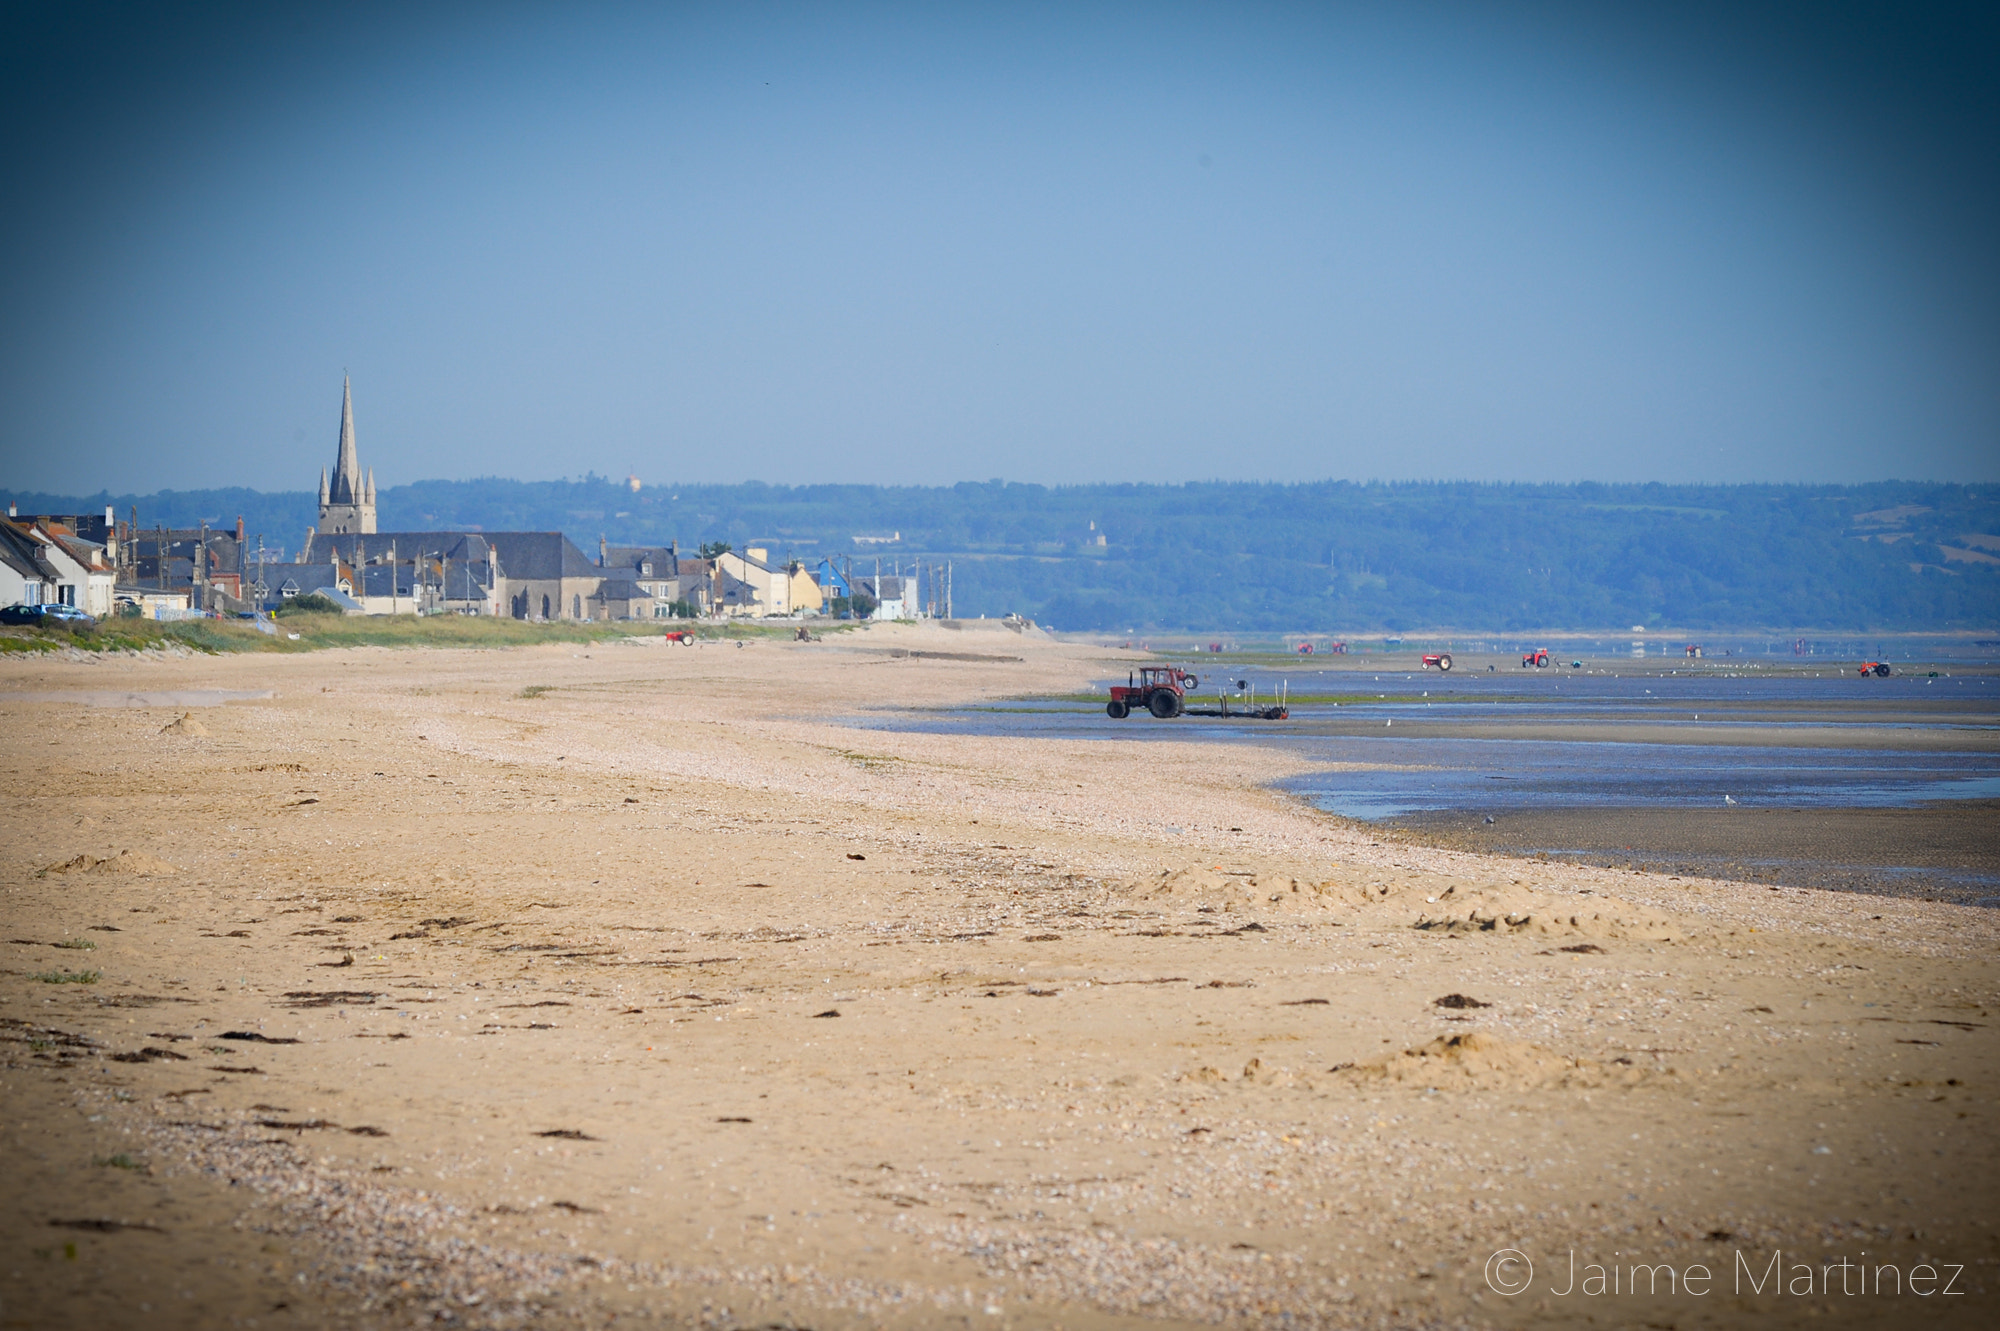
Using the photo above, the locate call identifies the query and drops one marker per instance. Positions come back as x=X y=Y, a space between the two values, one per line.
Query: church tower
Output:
x=347 y=503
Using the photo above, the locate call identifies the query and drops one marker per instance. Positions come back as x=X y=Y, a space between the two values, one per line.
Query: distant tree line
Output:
x=1334 y=557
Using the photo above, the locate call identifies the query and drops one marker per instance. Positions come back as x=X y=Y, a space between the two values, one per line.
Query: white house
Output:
x=895 y=596
x=59 y=566
x=26 y=576
x=89 y=577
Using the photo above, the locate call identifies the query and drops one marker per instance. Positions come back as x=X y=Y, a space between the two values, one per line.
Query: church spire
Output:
x=347 y=499
x=347 y=487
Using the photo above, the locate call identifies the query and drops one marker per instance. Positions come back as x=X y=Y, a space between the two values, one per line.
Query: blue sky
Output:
x=924 y=243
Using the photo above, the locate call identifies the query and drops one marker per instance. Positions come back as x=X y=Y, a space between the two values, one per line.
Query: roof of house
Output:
x=180 y=571
x=387 y=580
x=88 y=553
x=224 y=554
x=540 y=556
x=23 y=553
x=466 y=582
x=892 y=586
x=620 y=589
x=662 y=558
x=371 y=547
x=302 y=578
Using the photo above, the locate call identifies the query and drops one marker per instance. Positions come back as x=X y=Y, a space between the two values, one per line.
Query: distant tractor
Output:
x=1161 y=690
x=1695 y=651
x=1876 y=668
x=682 y=636
x=1442 y=660
x=1539 y=659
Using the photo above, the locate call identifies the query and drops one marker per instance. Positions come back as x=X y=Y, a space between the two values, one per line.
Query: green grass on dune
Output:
x=316 y=632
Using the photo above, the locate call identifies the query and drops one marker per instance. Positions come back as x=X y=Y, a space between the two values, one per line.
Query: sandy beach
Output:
x=624 y=984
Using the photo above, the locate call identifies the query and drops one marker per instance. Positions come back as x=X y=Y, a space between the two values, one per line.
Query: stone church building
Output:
x=525 y=574
x=347 y=502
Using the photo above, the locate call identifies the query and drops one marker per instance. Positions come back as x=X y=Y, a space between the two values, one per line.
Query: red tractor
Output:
x=1161 y=690
x=1875 y=668
x=685 y=637
x=1539 y=659
x=1442 y=660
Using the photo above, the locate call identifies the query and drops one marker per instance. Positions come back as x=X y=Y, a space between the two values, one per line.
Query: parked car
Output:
x=47 y=613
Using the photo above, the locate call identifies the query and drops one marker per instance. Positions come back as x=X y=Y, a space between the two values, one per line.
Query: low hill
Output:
x=1328 y=557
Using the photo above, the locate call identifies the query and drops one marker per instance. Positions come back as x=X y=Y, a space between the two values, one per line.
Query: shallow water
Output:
x=1940 y=727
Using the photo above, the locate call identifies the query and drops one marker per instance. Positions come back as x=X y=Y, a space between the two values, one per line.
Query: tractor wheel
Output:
x=1190 y=683
x=1116 y=710
x=1882 y=670
x=1444 y=662
x=1164 y=705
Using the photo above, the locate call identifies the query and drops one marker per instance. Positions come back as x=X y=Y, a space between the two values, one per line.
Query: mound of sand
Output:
x=1478 y=1061
x=1470 y=908
x=127 y=862
x=187 y=725
x=1221 y=889
x=1430 y=904
x=1254 y=1073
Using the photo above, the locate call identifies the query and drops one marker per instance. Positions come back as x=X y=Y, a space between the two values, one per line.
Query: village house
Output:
x=895 y=596
x=750 y=585
x=663 y=573
x=434 y=572
x=48 y=561
x=202 y=563
x=27 y=577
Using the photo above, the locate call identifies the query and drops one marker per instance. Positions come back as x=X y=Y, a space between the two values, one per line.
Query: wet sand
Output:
x=1945 y=851
x=582 y=987
x=1887 y=738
